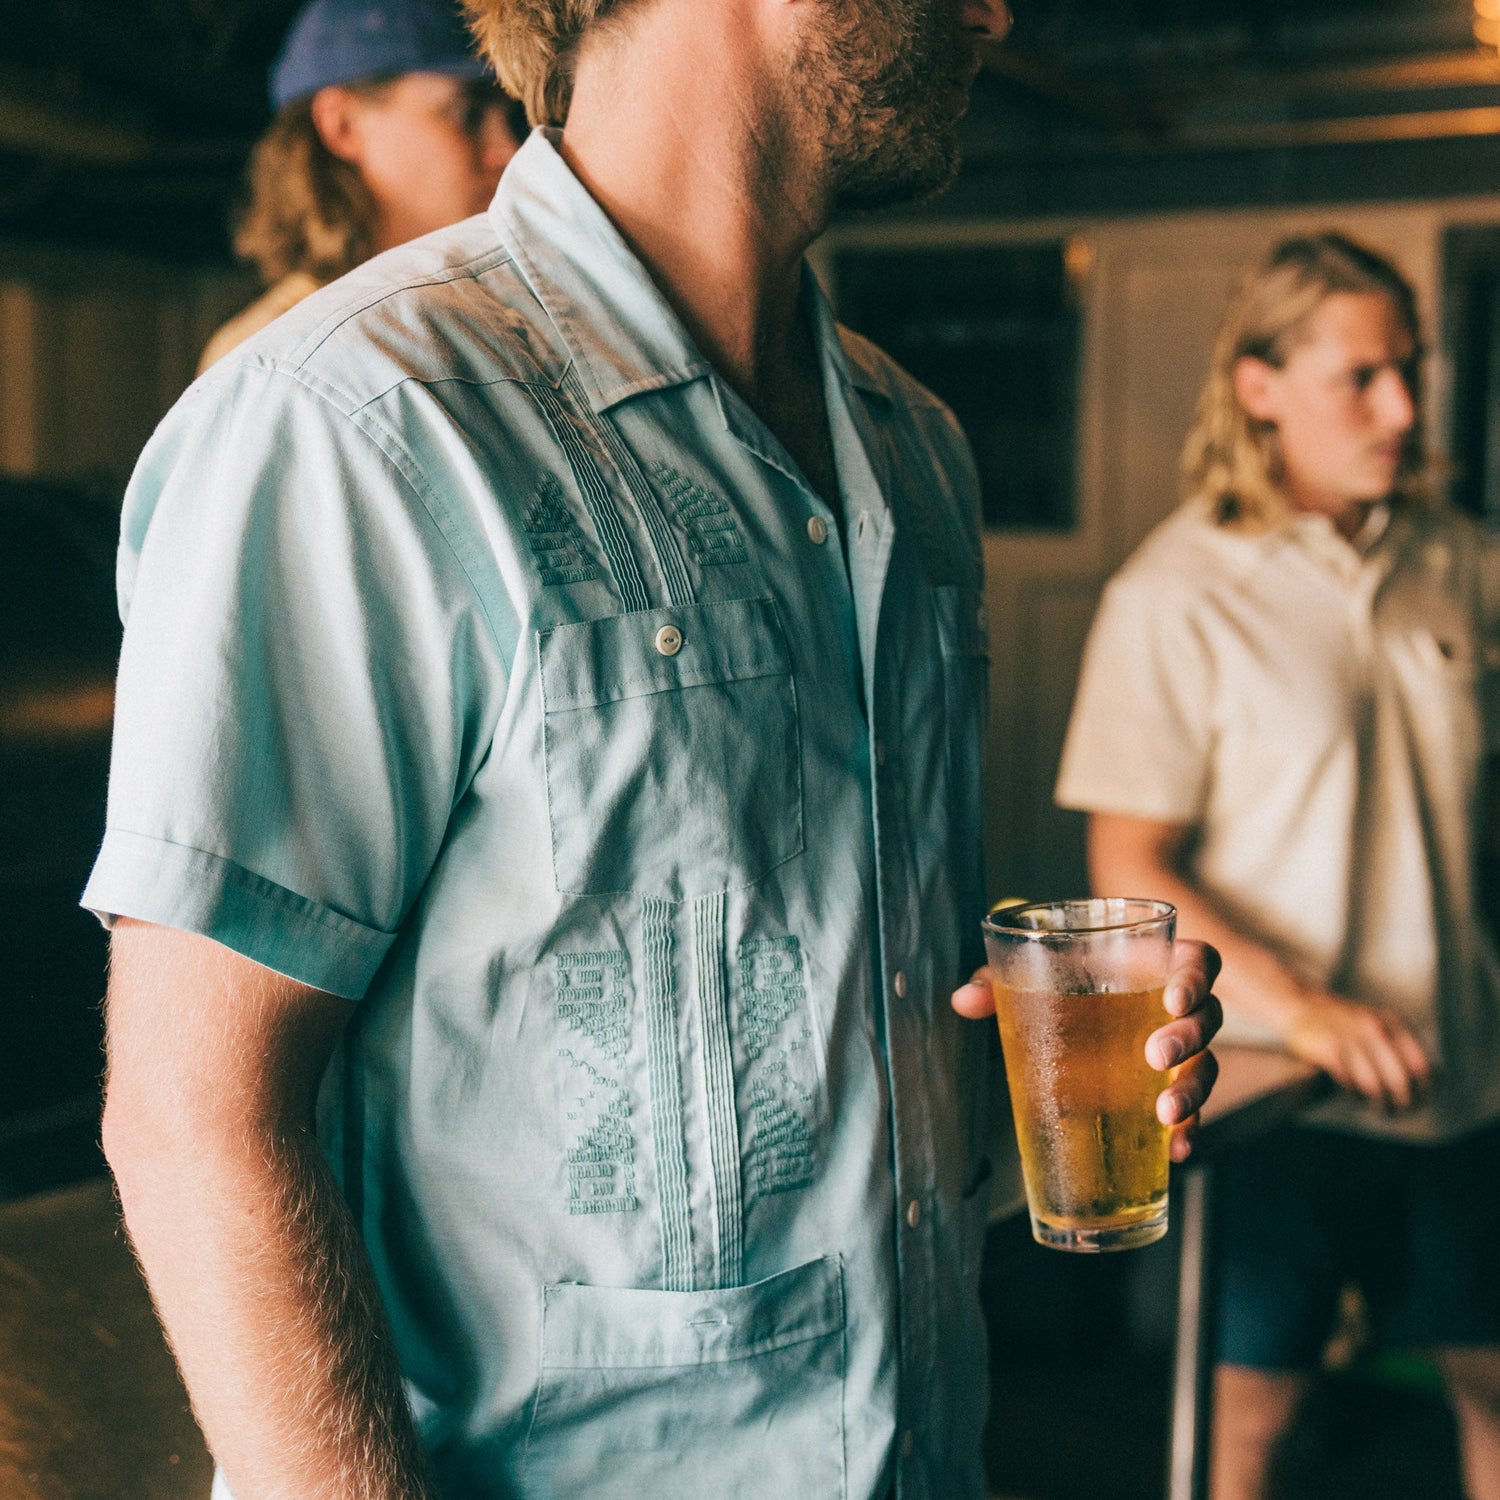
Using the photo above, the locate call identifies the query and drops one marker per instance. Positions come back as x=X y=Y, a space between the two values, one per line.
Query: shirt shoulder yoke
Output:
x=451 y=306
x=1189 y=553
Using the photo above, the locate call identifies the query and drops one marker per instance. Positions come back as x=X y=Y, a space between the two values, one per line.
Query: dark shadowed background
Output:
x=1121 y=159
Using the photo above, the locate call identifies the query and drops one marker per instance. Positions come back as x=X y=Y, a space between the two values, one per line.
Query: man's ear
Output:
x=338 y=117
x=1257 y=387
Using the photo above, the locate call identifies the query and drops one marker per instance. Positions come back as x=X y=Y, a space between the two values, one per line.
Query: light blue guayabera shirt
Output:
x=489 y=661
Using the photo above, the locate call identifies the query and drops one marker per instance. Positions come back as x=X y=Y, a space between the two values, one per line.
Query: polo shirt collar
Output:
x=1377 y=524
x=1363 y=562
x=622 y=335
x=1319 y=530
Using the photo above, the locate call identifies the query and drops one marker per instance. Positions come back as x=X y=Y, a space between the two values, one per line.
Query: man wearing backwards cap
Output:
x=387 y=126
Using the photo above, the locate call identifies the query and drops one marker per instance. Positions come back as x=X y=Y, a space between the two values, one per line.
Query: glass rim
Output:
x=1151 y=912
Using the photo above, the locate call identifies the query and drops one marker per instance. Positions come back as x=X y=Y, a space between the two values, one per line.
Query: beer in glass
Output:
x=1078 y=989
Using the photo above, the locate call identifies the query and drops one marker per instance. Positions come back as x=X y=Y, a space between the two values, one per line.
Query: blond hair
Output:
x=308 y=210
x=1231 y=461
x=533 y=44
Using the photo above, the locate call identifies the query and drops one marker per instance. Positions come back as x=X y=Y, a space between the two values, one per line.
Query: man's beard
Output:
x=890 y=81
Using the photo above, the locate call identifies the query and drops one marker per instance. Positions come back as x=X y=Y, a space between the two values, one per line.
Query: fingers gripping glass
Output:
x=1078 y=989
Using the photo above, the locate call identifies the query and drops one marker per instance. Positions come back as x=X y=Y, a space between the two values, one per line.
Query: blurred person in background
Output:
x=387 y=126
x=1286 y=701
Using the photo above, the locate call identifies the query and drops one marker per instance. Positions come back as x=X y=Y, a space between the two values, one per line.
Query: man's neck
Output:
x=674 y=129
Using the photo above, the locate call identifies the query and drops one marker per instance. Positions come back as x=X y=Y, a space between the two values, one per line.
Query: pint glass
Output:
x=1078 y=989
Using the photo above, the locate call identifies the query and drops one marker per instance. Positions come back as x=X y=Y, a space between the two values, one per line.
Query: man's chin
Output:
x=899 y=183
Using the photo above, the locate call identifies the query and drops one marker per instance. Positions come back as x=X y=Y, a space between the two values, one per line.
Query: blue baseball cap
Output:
x=343 y=41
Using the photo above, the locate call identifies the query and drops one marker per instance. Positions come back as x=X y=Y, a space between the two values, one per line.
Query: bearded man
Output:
x=543 y=823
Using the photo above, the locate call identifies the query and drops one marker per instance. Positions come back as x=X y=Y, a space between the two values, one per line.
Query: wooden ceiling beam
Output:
x=45 y=128
x=1474 y=68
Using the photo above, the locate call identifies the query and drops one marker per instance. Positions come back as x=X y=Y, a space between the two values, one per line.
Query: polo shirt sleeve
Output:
x=307 y=683
x=1139 y=742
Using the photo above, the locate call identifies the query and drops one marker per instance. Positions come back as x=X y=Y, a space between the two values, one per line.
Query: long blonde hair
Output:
x=308 y=209
x=1231 y=461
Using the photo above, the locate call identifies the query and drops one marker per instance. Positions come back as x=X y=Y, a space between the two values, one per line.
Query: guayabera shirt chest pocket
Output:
x=672 y=750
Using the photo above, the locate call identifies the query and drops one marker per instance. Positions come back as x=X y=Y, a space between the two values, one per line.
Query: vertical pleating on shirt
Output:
x=596 y=496
x=666 y=1095
x=718 y=1081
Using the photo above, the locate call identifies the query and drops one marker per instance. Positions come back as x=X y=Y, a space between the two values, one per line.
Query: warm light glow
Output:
x=1487 y=23
x=1078 y=255
x=58 y=715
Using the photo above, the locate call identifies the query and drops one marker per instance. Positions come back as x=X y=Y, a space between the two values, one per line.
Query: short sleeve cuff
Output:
x=153 y=880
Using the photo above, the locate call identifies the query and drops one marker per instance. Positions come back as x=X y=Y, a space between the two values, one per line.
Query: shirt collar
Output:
x=1319 y=529
x=622 y=335
x=850 y=364
x=1365 y=559
x=1377 y=523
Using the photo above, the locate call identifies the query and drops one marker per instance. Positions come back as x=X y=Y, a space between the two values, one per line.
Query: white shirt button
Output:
x=817 y=529
x=669 y=640
x=913 y=1214
x=899 y=984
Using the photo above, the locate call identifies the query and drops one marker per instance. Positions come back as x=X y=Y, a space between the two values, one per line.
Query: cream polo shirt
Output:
x=1319 y=712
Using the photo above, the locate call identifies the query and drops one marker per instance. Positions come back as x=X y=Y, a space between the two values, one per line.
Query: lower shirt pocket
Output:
x=689 y=1395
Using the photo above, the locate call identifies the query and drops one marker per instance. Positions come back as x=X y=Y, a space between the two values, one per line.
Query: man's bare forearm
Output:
x=1365 y=1048
x=1255 y=982
x=258 y=1275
